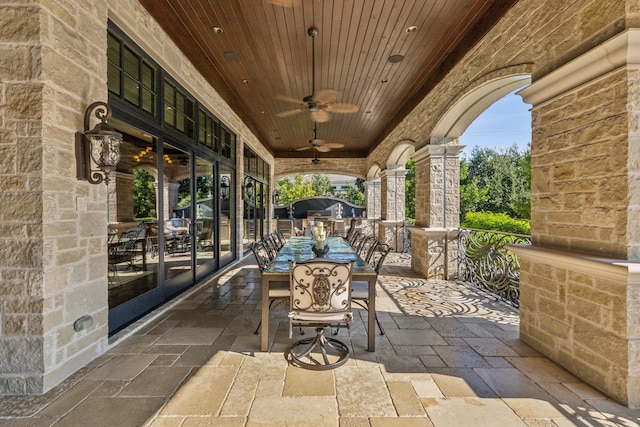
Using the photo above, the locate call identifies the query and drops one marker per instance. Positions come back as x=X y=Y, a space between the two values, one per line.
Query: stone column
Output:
x=433 y=247
x=372 y=198
x=579 y=280
x=392 y=190
x=124 y=198
x=170 y=193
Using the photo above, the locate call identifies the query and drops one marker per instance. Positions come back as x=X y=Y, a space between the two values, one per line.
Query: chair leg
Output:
x=321 y=343
x=260 y=322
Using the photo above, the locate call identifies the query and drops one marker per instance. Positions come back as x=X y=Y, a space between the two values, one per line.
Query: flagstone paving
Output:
x=450 y=356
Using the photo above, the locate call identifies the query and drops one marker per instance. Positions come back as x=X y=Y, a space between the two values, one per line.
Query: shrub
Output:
x=496 y=222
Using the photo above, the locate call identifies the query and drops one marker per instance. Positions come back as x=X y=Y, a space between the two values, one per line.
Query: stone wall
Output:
x=53 y=228
x=21 y=197
x=327 y=165
x=582 y=313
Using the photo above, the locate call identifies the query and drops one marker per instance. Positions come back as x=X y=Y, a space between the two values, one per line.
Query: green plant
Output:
x=496 y=222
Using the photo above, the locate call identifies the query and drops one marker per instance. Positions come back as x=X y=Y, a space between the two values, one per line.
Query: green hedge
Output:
x=496 y=222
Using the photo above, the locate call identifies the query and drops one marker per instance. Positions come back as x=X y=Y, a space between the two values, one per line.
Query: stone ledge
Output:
x=620 y=50
x=608 y=268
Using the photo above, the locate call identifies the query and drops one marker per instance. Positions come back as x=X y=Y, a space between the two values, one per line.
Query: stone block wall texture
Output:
x=583 y=319
x=327 y=165
x=579 y=181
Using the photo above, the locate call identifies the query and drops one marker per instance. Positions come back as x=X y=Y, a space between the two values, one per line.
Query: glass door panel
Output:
x=131 y=203
x=227 y=226
x=179 y=227
x=205 y=217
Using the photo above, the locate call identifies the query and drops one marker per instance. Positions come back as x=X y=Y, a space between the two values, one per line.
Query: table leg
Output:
x=264 y=307
x=371 y=329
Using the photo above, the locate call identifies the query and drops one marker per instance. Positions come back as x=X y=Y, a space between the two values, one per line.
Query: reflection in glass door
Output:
x=227 y=207
x=205 y=217
x=179 y=226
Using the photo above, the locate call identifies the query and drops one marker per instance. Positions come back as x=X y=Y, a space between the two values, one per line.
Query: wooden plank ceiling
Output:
x=261 y=61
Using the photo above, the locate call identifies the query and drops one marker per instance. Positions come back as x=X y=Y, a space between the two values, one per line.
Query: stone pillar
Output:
x=170 y=193
x=392 y=191
x=124 y=198
x=579 y=281
x=433 y=248
x=372 y=198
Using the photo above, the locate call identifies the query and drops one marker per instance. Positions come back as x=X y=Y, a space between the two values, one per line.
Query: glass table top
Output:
x=299 y=249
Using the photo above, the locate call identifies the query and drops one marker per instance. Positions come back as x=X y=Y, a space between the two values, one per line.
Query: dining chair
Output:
x=351 y=231
x=357 y=239
x=278 y=291
x=270 y=245
x=123 y=251
x=367 y=247
x=360 y=289
x=320 y=298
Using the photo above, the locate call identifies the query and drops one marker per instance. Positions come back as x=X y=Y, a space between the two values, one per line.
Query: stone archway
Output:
x=438 y=172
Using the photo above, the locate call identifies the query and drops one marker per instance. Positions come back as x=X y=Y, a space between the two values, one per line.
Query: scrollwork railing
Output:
x=485 y=261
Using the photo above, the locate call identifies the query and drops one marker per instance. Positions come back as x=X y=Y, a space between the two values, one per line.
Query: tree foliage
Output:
x=410 y=191
x=322 y=185
x=294 y=188
x=496 y=181
x=144 y=195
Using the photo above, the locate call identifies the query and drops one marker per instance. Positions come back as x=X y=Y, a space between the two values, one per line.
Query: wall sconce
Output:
x=100 y=144
x=249 y=190
x=275 y=197
x=224 y=187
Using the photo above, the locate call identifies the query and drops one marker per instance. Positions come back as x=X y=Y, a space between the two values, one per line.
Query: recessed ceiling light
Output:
x=394 y=59
x=230 y=55
x=245 y=81
x=411 y=29
x=217 y=30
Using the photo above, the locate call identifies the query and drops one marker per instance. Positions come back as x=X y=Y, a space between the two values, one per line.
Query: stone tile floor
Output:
x=450 y=357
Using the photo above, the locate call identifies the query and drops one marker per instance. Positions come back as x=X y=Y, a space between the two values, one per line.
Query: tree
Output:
x=352 y=195
x=144 y=195
x=293 y=188
x=322 y=185
x=496 y=181
x=410 y=191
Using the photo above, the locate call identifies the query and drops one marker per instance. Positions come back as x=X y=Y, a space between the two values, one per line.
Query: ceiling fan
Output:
x=319 y=144
x=320 y=103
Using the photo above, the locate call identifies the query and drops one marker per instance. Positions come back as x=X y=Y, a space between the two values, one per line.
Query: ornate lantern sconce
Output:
x=100 y=145
x=249 y=188
x=224 y=187
x=275 y=197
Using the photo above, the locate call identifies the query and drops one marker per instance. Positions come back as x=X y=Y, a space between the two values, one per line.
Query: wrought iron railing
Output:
x=485 y=261
x=406 y=237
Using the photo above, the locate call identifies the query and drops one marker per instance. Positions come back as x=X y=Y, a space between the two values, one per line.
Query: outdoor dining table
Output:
x=299 y=249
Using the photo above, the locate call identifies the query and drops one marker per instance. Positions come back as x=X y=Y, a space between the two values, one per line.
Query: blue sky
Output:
x=506 y=122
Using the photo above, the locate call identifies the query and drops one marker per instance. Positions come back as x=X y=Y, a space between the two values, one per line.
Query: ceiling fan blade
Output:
x=320 y=116
x=284 y=3
x=303 y=148
x=288 y=113
x=325 y=96
x=286 y=98
x=323 y=149
x=333 y=145
x=317 y=141
x=343 y=107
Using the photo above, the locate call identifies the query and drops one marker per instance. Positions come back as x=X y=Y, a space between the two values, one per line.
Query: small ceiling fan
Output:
x=320 y=103
x=319 y=144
